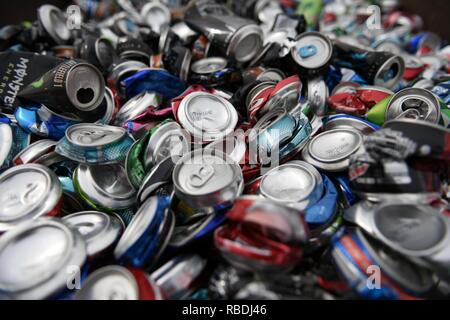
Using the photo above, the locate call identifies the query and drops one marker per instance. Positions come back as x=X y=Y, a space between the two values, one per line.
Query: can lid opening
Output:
x=85 y=95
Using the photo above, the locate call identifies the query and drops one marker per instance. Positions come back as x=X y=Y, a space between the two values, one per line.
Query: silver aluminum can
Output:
x=26 y=193
x=206 y=178
x=39 y=269
x=104 y=187
x=207 y=117
x=331 y=150
x=137 y=106
x=34 y=151
x=418 y=103
x=296 y=184
x=99 y=230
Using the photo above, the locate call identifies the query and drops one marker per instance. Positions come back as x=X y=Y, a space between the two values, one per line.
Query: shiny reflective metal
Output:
x=35 y=151
x=28 y=192
x=35 y=257
x=100 y=231
x=206 y=178
x=331 y=150
x=137 y=106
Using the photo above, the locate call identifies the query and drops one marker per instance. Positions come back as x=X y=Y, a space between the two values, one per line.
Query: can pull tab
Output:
x=202 y=176
x=307 y=51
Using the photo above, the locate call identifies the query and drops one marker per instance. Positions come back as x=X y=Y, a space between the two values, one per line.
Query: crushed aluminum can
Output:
x=118 y=283
x=38 y=239
x=137 y=106
x=28 y=192
x=95 y=144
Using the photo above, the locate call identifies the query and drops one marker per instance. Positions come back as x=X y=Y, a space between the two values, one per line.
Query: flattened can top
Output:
x=204 y=173
x=420 y=102
x=34 y=258
x=109 y=283
x=312 y=50
x=94 y=135
x=27 y=192
x=293 y=182
x=99 y=230
x=331 y=150
x=207 y=116
x=106 y=186
x=209 y=65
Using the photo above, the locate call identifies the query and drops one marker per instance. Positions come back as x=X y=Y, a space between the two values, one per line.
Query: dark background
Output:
x=436 y=13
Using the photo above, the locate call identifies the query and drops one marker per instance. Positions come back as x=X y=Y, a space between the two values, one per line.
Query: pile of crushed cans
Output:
x=241 y=149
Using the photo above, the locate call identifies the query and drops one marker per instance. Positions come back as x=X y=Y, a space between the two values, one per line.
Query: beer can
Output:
x=118 y=283
x=301 y=192
x=104 y=187
x=99 y=230
x=95 y=144
x=237 y=38
x=28 y=192
x=207 y=117
x=354 y=252
x=179 y=277
x=38 y=239
x=207 y=178
x=414 y=103
x=331 y=150
x=311 y=53
x=143 y=240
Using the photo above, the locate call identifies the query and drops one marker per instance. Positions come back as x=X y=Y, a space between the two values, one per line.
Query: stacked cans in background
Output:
x=235 y=149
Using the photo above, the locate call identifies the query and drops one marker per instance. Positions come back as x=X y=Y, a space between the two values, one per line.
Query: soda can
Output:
x=70 y=89
x=345 y=87
x=442 y=90
x=200 y=48
x=423 y=241
x=34 y=152
x=105 y=187
x=213 y=72
x=118 y=283
x=38 y=239
x=300 y=138
x=122 y=70
x=154 y=80
x=347 y=196
x=301 y=192
x=155 y=15
x=230 y=35
x=285 y=95
x=344 y=121
x=377 y=68
x=52 y=24
x=331 y=150
x=179 y=277
x=414 y=66
x=37 y=186
x=159 y=176
x=102 y=234
x=354 y=252
x=257 y=97
x=251 y=249
x=136 y=107
x=178 y=61
x=414 y=103
x=169 y=142
x=317 y=95
x=6 y=144
x=146 y=237
x=207 y=178
x=95 y=144
x=207 y=117
x=424 y=43
x=311 y=54
x=184 y=33
x=133 y=49
x=99 y=52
